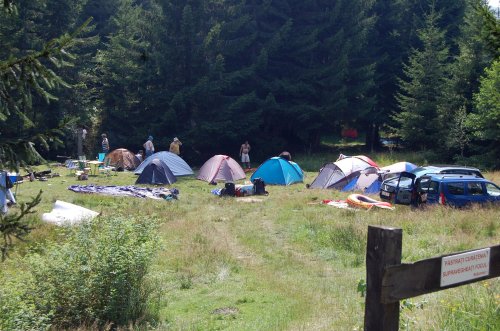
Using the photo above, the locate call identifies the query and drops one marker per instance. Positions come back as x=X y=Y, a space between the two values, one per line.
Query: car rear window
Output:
x=475 y=188
x=456 y=188
x=492 y=190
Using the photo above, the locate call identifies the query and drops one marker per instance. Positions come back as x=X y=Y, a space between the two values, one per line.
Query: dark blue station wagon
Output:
x=458 y=190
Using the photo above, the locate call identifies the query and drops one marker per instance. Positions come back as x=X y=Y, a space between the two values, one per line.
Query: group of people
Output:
x=149 y=147
x=175 y=145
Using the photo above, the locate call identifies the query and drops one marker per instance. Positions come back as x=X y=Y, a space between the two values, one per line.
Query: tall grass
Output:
x=286 y=262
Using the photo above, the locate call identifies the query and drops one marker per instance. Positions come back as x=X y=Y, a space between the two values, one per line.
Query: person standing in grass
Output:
x=149 y=147
x=245 y=154
x=105 y=143
x=175 y=146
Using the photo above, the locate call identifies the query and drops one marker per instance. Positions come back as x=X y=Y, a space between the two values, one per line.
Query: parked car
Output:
x=390 y=142
x=398 y=190
x=458 y=190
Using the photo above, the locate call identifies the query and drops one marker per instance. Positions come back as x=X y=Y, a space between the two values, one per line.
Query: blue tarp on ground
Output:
x=176 y=164
x=278 y=171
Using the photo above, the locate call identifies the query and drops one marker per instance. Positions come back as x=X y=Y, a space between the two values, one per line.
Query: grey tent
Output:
x=156 y=172
x=178 y=166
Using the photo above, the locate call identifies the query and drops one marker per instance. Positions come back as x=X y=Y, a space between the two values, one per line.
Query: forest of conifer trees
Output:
x=280 y=73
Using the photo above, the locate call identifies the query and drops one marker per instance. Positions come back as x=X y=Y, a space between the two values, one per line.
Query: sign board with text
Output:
x=464 y=267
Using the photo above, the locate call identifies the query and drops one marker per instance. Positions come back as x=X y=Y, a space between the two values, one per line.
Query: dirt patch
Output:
x=226 y=311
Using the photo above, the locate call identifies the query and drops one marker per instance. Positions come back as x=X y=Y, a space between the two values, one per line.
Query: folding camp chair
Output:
x=101 y=156
x=82 y=166
x=72 y=165
x=107 y=167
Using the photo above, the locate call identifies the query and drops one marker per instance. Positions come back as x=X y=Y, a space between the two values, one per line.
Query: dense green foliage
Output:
x=96 y=275
x=283 y=74
x=485 y=120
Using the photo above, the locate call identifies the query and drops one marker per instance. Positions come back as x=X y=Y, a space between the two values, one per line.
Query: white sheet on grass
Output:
x=65 y=213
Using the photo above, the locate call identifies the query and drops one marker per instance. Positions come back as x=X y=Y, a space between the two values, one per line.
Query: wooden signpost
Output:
x=389 y=281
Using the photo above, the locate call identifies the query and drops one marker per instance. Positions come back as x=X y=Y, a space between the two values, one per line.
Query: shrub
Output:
x=96 y=276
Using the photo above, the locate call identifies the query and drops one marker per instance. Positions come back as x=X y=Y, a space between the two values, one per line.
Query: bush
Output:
x=97 y=276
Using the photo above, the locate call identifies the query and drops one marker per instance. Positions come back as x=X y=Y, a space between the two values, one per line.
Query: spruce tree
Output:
x=129 y=71
x=389 y=45
x=421 y=89
x=465 y=71
x=24 y=78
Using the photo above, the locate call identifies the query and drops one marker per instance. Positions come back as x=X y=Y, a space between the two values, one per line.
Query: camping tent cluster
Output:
x=160 y=168
x=274 y=171
x=358 y=172
x=347 y=173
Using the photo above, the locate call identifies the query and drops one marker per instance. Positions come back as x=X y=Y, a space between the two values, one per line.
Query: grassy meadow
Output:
x=282 y=261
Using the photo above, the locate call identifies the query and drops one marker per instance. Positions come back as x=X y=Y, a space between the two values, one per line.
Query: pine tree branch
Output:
x=15 y=226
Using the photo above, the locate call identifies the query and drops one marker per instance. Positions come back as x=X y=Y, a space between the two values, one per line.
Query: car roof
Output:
x=457 y=177
x=449 y=166
x=442 y=168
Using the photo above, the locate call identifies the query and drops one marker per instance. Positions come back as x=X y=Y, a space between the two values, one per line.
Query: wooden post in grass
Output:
x=79 y=141
x=383 y=249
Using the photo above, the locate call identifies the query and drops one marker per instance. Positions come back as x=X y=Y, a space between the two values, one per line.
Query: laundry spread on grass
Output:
x=342 y=204
x=130 y=191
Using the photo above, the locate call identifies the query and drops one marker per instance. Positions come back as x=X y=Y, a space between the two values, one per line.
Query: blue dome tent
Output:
x=177 y=165
x=156 y=172
x=278 y=171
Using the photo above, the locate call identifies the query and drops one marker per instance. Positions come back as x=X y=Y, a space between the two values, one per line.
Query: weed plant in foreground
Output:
x=97 y=274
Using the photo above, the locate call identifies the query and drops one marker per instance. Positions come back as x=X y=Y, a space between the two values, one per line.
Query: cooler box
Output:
x=13 y=177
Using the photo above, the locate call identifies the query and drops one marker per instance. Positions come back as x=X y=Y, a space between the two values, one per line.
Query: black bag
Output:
x=228 y=190
x=259 y=187
x=8 y=182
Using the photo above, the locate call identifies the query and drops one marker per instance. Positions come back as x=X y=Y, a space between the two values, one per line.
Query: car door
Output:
x=404 y=188
x=455 y=194
x=425 y=187
x=431 y=189
x=492 y=192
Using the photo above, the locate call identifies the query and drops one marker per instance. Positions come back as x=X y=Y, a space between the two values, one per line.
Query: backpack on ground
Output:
x=228 y=190
x=259 y=187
